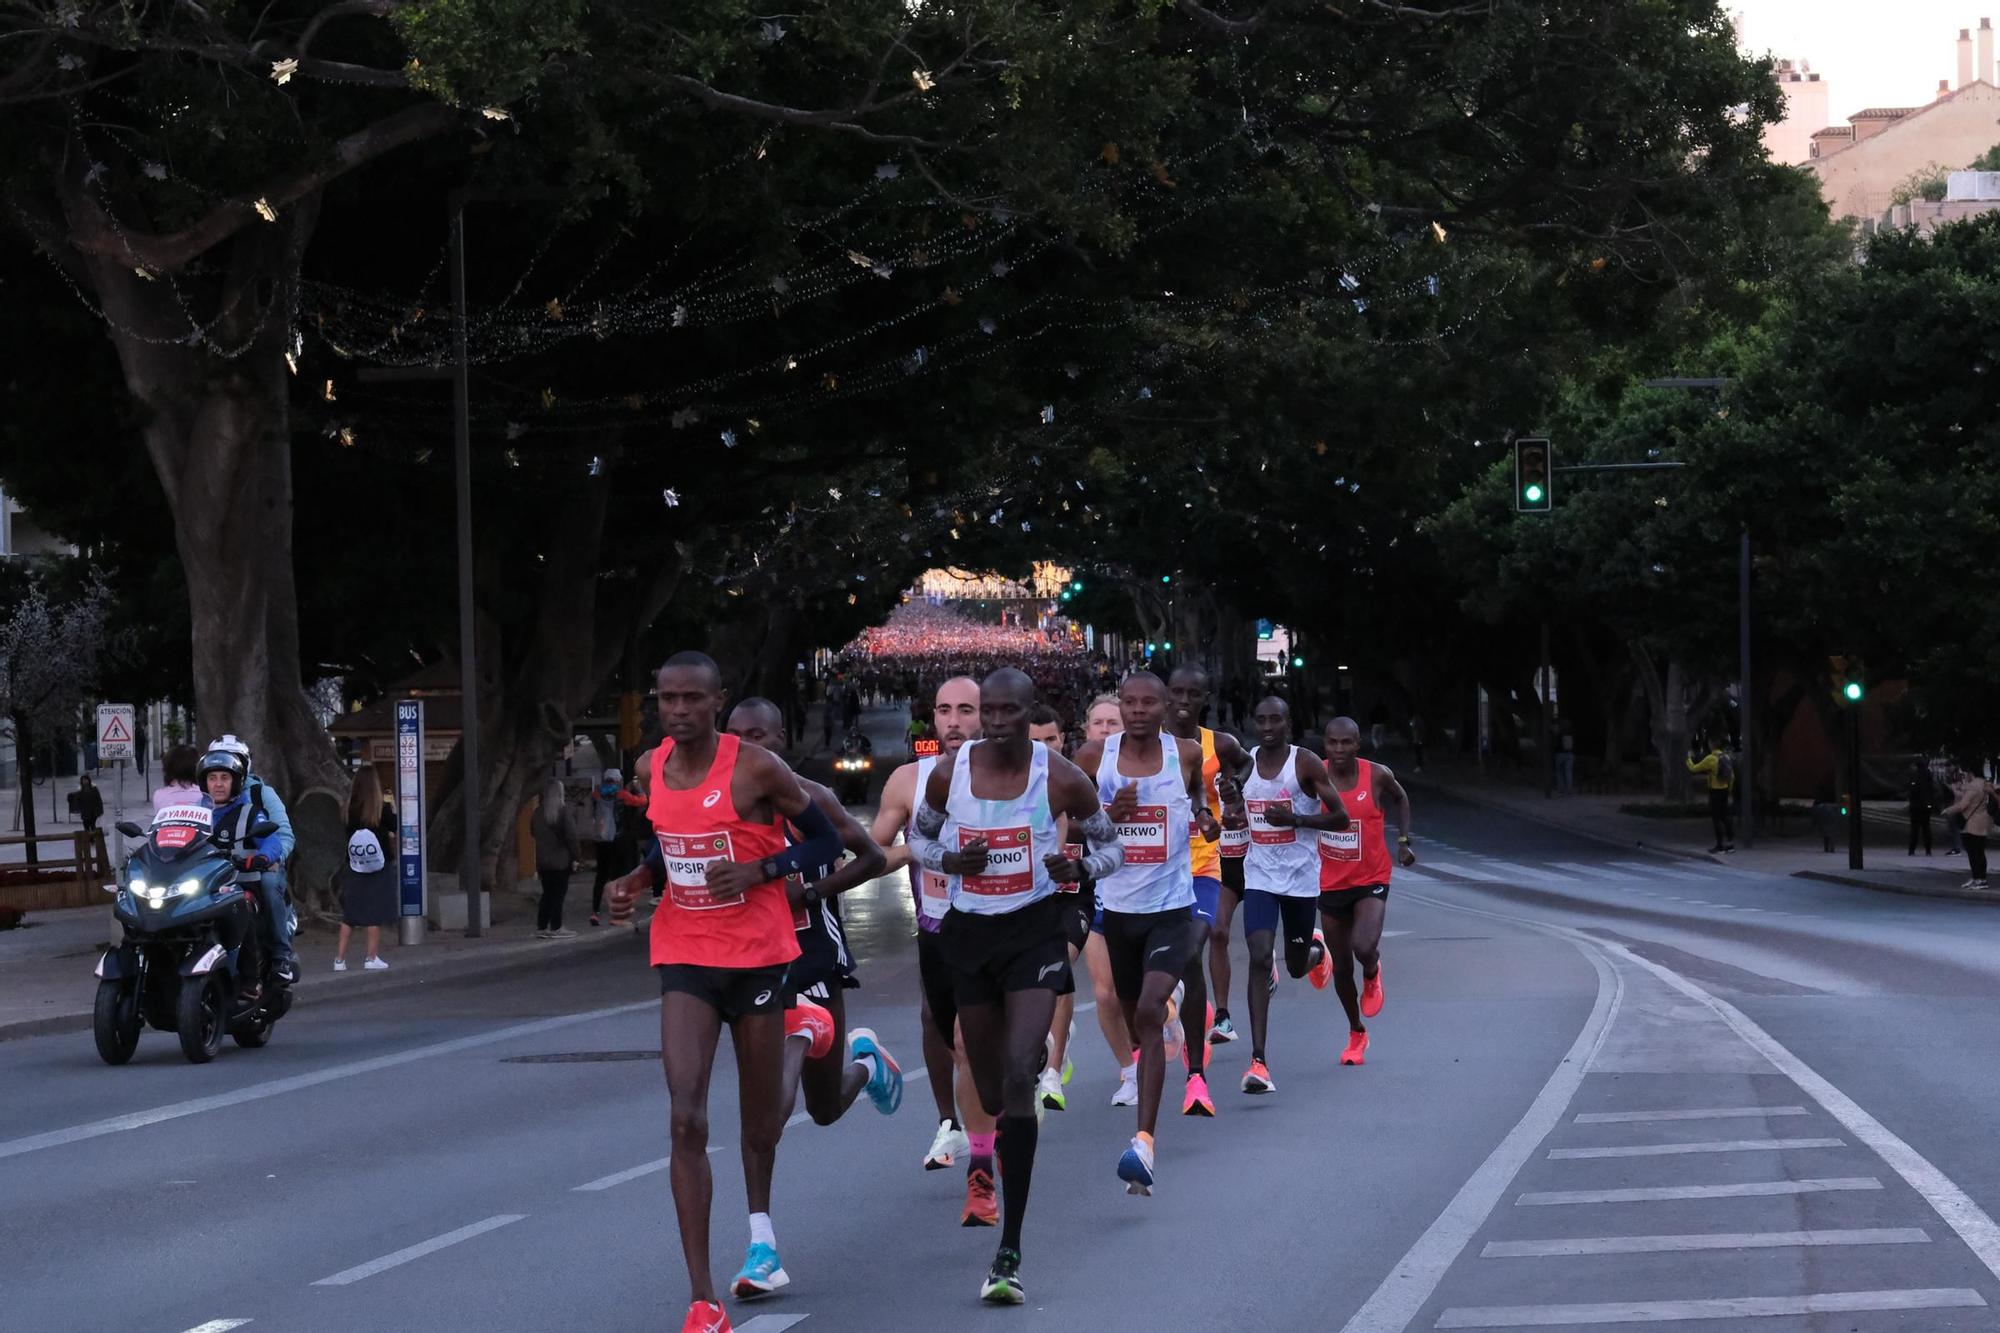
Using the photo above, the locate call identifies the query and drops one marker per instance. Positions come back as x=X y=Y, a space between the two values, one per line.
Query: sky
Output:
x=1871 y=52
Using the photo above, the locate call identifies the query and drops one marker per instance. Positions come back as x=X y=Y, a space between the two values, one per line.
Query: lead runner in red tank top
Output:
x=1354 y=869
x=721 y=941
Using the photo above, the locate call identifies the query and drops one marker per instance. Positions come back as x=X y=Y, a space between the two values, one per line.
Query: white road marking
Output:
x=57 y=1138
x=771 y=1323
x=629 y=1173
x=418 y=1251
x=1403 y=1292
x=1684 y=1149
x=1464 y=872
x=1714 y=1113
x=1529 y=873
x=218 y=1326
x=1730 y=1307
x=1662 y=1193
x=1742 y=1240
x=1654 y=868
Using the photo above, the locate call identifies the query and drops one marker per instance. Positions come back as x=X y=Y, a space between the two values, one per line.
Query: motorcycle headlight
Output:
x=138 y=886
x=187 y=888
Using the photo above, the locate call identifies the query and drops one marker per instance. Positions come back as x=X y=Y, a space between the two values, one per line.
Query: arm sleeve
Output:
x=821 y=845
x=925 y=849
x=1107 y=853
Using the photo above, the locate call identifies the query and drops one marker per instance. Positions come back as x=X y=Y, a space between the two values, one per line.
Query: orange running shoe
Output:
x=814 y=1023
x=1322 y=972
x=1258 y=1080
x=1357 y=1049
x=982 y=1203
x=1371 y=994
x=1197 y=1101
x=1207 y=1046
x=707 y=1317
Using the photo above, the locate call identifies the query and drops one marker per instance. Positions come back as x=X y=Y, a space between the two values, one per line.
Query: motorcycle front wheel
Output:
x=114 y=1021
x=199 y=1015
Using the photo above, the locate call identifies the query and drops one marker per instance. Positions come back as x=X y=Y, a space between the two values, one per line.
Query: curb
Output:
x=1499 y=806
x=501 y=959
x=1989 y=896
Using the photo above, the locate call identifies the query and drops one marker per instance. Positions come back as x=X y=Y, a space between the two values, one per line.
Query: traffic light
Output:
x=1299 y=663
x=1851 y=691
x=1076 y=586
x=1850 y=680
x=1166 y=578
x=1534 y=477
x=1168 y=645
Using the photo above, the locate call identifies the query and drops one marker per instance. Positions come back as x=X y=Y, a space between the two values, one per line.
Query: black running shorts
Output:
x=733 y=992
x=992 y=954
x=1232 y=875
x=935 y=978
x=1340 y=903
x=1142 y=942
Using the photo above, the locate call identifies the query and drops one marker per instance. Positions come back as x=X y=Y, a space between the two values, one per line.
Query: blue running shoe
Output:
x=1135 y=1168
x=761 y=1275
x=885 y=1085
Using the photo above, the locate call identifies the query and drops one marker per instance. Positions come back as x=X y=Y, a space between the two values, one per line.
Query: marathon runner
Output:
x=1222 y=757
x=1080 y=900
x=721 y=940
x=988 y=820
x=815 y=1009
x=1101 y=720
x=1151 y=783
x=1354 y=870
x=965 y=1131
x=1287 y=790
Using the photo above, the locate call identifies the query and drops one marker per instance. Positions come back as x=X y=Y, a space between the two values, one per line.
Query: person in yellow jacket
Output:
x=1720 y=775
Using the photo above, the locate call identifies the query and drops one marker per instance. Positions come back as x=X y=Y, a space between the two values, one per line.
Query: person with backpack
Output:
x=368 y=890
x=1719 y=771
x=1975 y=802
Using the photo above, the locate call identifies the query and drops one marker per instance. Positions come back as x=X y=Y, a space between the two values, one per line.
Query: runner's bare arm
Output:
x=893 y=816
x=1317 y=782
x=1203 y=818
x=928 y=823
x=1386 y=781
x=1073 y=795
x=865 y=859
x=1236 y=764
x=767 y=781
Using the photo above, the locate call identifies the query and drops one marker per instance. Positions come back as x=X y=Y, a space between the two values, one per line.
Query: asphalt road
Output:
x=1606 y=1089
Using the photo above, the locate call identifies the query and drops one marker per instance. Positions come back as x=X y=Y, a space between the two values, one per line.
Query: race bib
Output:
x=688 y=856
x=1235 y=841
x=1262 y=831
x=1072 y=851
x=935 y=899
x=1145 y=836
x=1009 y=869
x=1341 y=844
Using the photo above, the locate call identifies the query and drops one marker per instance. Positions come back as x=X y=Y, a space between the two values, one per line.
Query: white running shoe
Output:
x=374 y=965
x=1128 y=1088
x=340 y=964
x=1049 y=1090
x=1174 y=1035
x=948 y=1148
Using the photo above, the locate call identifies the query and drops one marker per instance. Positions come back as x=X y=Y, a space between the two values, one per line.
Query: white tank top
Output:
x=1158 y=874
x=1018 y=832
x=931 y=890
x=1281 y=860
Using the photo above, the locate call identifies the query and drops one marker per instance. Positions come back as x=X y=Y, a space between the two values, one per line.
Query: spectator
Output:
x=177 y=770
x=1826 y=816
x=604 y=807
x=368 y=889
x=89 y=803
x=1566 y=762
x=827 y=711
x=1921 y=793
x=850 y=707
x=1973 y=802
x=1720 y=774
x=556 y=857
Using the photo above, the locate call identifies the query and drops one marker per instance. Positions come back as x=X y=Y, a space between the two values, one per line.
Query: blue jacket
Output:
x=279 y=845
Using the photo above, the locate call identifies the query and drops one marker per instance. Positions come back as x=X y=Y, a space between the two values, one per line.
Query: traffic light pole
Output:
x=1747 y=774
x=1854 y=788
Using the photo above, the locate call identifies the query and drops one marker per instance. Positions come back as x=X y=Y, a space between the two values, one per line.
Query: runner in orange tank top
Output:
x=721 y=941
x=1355 y=865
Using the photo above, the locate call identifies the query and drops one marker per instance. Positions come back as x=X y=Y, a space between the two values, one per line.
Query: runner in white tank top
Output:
x=1019 y=833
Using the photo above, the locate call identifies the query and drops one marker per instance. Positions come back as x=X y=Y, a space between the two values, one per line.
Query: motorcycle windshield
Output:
x=176 y=828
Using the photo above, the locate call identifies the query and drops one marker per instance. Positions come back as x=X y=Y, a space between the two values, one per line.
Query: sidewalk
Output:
x=46 y=965
x=1793 y=850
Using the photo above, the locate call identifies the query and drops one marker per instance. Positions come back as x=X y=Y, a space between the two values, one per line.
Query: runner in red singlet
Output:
x=1354 y=870
x=721 y=941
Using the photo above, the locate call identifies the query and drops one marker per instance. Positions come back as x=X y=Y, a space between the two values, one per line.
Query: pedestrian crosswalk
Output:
x=1659 y=880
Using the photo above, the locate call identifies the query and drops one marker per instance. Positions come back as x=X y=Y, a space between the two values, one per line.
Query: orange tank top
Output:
x=1208 y=855
x=695 y=827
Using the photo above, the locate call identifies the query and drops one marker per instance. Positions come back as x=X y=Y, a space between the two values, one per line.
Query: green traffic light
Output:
x=1150 y=648
x=1851 y=691
x=1166 y=578
x=1533 y=494
x=1076 y=587
x=1168 y=645
x=1298 y=661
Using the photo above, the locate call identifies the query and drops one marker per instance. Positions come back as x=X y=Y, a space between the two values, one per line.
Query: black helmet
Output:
x=226 y=755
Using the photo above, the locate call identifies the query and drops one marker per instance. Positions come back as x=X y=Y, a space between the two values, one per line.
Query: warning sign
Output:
x=115 y=732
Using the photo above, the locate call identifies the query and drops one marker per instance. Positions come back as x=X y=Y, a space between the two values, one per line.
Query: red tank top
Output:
x=695 y=827
x=1357 y=856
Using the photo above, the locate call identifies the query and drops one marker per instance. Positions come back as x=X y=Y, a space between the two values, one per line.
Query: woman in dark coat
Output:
x=368 y=889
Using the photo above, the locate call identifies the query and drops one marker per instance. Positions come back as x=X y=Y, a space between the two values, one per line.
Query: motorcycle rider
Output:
x=240 y=800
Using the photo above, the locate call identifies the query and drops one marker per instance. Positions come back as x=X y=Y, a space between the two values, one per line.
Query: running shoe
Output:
x=982 y=1202
x=1003 y=1281
x=949 y=1145
x=1197 y=1101
x=762 y=1273
x=1050 y=1089
x=1258 y=1080
x=1371 y=993
x=885 y=1085
x=1223 y=1032
x=1322 y=971
x=814 y=1023
x=1069 y=1067
x=1174 y=1034
x=1357 y=1049
x=707 y=1317
x=1135 y=1168
x=1128 y=1090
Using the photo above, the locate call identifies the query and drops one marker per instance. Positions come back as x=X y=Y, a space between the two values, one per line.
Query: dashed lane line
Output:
x=349 y=1276
x=1739 y=1240
x=1728 y=1307
x=1747 y=1189
x=1686 y=1149
x=1703 y=1113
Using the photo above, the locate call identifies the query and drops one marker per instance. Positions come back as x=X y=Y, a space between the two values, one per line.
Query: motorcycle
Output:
x=194 y=960
x=853 y=769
